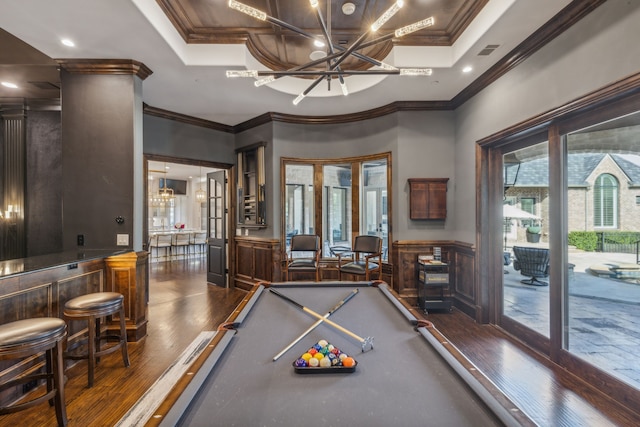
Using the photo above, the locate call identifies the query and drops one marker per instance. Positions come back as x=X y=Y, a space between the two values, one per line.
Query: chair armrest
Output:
x=341 y=257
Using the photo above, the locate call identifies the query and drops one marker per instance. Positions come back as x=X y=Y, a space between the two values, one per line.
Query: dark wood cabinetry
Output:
x=250 y=186
x=428 y=198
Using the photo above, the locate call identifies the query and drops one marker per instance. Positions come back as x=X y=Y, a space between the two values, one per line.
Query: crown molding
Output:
x=105 y=66
x=183 y=118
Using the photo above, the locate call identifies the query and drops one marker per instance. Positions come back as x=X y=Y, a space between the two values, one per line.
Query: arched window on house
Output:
x=605 y=202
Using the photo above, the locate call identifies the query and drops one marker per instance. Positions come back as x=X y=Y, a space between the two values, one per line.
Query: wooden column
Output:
x=127 y=274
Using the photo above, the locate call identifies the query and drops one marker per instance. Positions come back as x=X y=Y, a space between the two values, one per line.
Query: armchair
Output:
x=365 y=257
x=533 y=262
x=303 y=255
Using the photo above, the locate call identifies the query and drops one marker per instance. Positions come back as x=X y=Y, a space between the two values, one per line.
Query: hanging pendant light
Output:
x=201 y=194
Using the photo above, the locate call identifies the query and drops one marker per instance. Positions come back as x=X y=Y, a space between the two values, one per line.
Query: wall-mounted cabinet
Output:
x=250 y=185
x=428 y=198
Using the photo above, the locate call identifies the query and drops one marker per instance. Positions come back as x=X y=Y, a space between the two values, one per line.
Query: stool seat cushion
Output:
x=95 y=301
x=30 y=330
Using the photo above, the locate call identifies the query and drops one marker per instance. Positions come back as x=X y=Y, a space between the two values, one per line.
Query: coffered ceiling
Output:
x=189 y=45
x=280 y=48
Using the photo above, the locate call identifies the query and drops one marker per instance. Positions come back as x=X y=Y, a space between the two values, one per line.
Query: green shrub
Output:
x=621 y=237
x=534 y=229
x=584 y=240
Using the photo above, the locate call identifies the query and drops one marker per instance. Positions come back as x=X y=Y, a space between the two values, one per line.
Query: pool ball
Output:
x=317 y=346
x=301 y=363
x=324 y=350
x=325 y=362
x=306 y=356
x=322 y=343
x=348 y=362
x=319 y=356
x=342 y=356
x=312 y=351
x=313 y=362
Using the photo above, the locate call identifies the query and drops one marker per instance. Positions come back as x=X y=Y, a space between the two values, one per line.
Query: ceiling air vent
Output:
x=488 y=50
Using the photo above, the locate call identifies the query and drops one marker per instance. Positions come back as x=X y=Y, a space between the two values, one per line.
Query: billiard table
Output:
x=407 y=377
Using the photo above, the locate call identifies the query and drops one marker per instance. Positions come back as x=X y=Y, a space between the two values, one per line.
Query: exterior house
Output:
x=603 y=193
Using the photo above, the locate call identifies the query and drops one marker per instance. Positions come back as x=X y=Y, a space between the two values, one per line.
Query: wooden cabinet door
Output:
x=428 y=198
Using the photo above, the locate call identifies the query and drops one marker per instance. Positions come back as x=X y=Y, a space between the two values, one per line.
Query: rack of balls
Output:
x=323 y=357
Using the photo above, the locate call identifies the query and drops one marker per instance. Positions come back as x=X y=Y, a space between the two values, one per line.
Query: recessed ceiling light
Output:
x=467 y=69
x=67 y=42
x=317 y=54
x=10 y=85
x=348 y=8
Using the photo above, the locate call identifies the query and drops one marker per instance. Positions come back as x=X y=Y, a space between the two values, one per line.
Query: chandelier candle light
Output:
x=335 y=54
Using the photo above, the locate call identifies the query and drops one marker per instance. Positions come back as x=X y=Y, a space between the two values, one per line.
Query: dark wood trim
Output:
x=105 y=66
x=319 y=188
x=394 y=107
x=187 y=161
x=614 y=100
x=183 y=118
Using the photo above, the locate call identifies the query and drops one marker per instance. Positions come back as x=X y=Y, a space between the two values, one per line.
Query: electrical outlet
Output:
x=80 y=239
x=122 y=240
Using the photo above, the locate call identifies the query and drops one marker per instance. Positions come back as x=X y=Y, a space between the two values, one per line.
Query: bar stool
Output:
x=91 y=308
x=24 y=338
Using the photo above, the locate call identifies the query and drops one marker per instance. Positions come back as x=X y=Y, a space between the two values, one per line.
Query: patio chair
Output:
x=532 y=262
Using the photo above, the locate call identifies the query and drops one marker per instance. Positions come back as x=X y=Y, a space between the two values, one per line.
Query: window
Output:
x=298 y=201
x=528 y=204
x=353 y=199
x=605 y=201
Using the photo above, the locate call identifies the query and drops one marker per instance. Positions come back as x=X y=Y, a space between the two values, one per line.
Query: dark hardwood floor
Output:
x=182 y=305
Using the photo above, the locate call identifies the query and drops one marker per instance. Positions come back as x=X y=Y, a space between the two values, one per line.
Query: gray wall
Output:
x=98 y=158
x=600 y=49
x=175 y=139
x=595 y=52
x=44 y=183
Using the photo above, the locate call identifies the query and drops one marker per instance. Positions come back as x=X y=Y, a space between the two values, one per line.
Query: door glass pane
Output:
x=603 y=274
x=298 y=204
x=374 y=203
x=526 y=237
x=336 y=201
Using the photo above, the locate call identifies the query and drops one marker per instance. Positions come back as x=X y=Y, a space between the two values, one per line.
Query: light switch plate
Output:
x=122 y=240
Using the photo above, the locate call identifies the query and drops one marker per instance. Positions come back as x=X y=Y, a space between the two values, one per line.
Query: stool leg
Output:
x=91 y=344
x=58 y=382
x=97 y=338
x=123 y=337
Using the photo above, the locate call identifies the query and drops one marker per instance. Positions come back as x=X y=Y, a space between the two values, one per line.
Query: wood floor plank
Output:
x=548 y=394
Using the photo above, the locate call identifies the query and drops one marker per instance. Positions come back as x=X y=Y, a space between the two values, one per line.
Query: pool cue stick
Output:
x=315 y=325
x=366 y=343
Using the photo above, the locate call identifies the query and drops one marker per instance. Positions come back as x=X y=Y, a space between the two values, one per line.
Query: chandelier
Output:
x=164 y=196
x=334 y=54
x=201 y=194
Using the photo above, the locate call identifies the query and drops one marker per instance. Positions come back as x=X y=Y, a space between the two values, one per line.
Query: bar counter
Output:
x=14 y=267
x=39 y=286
